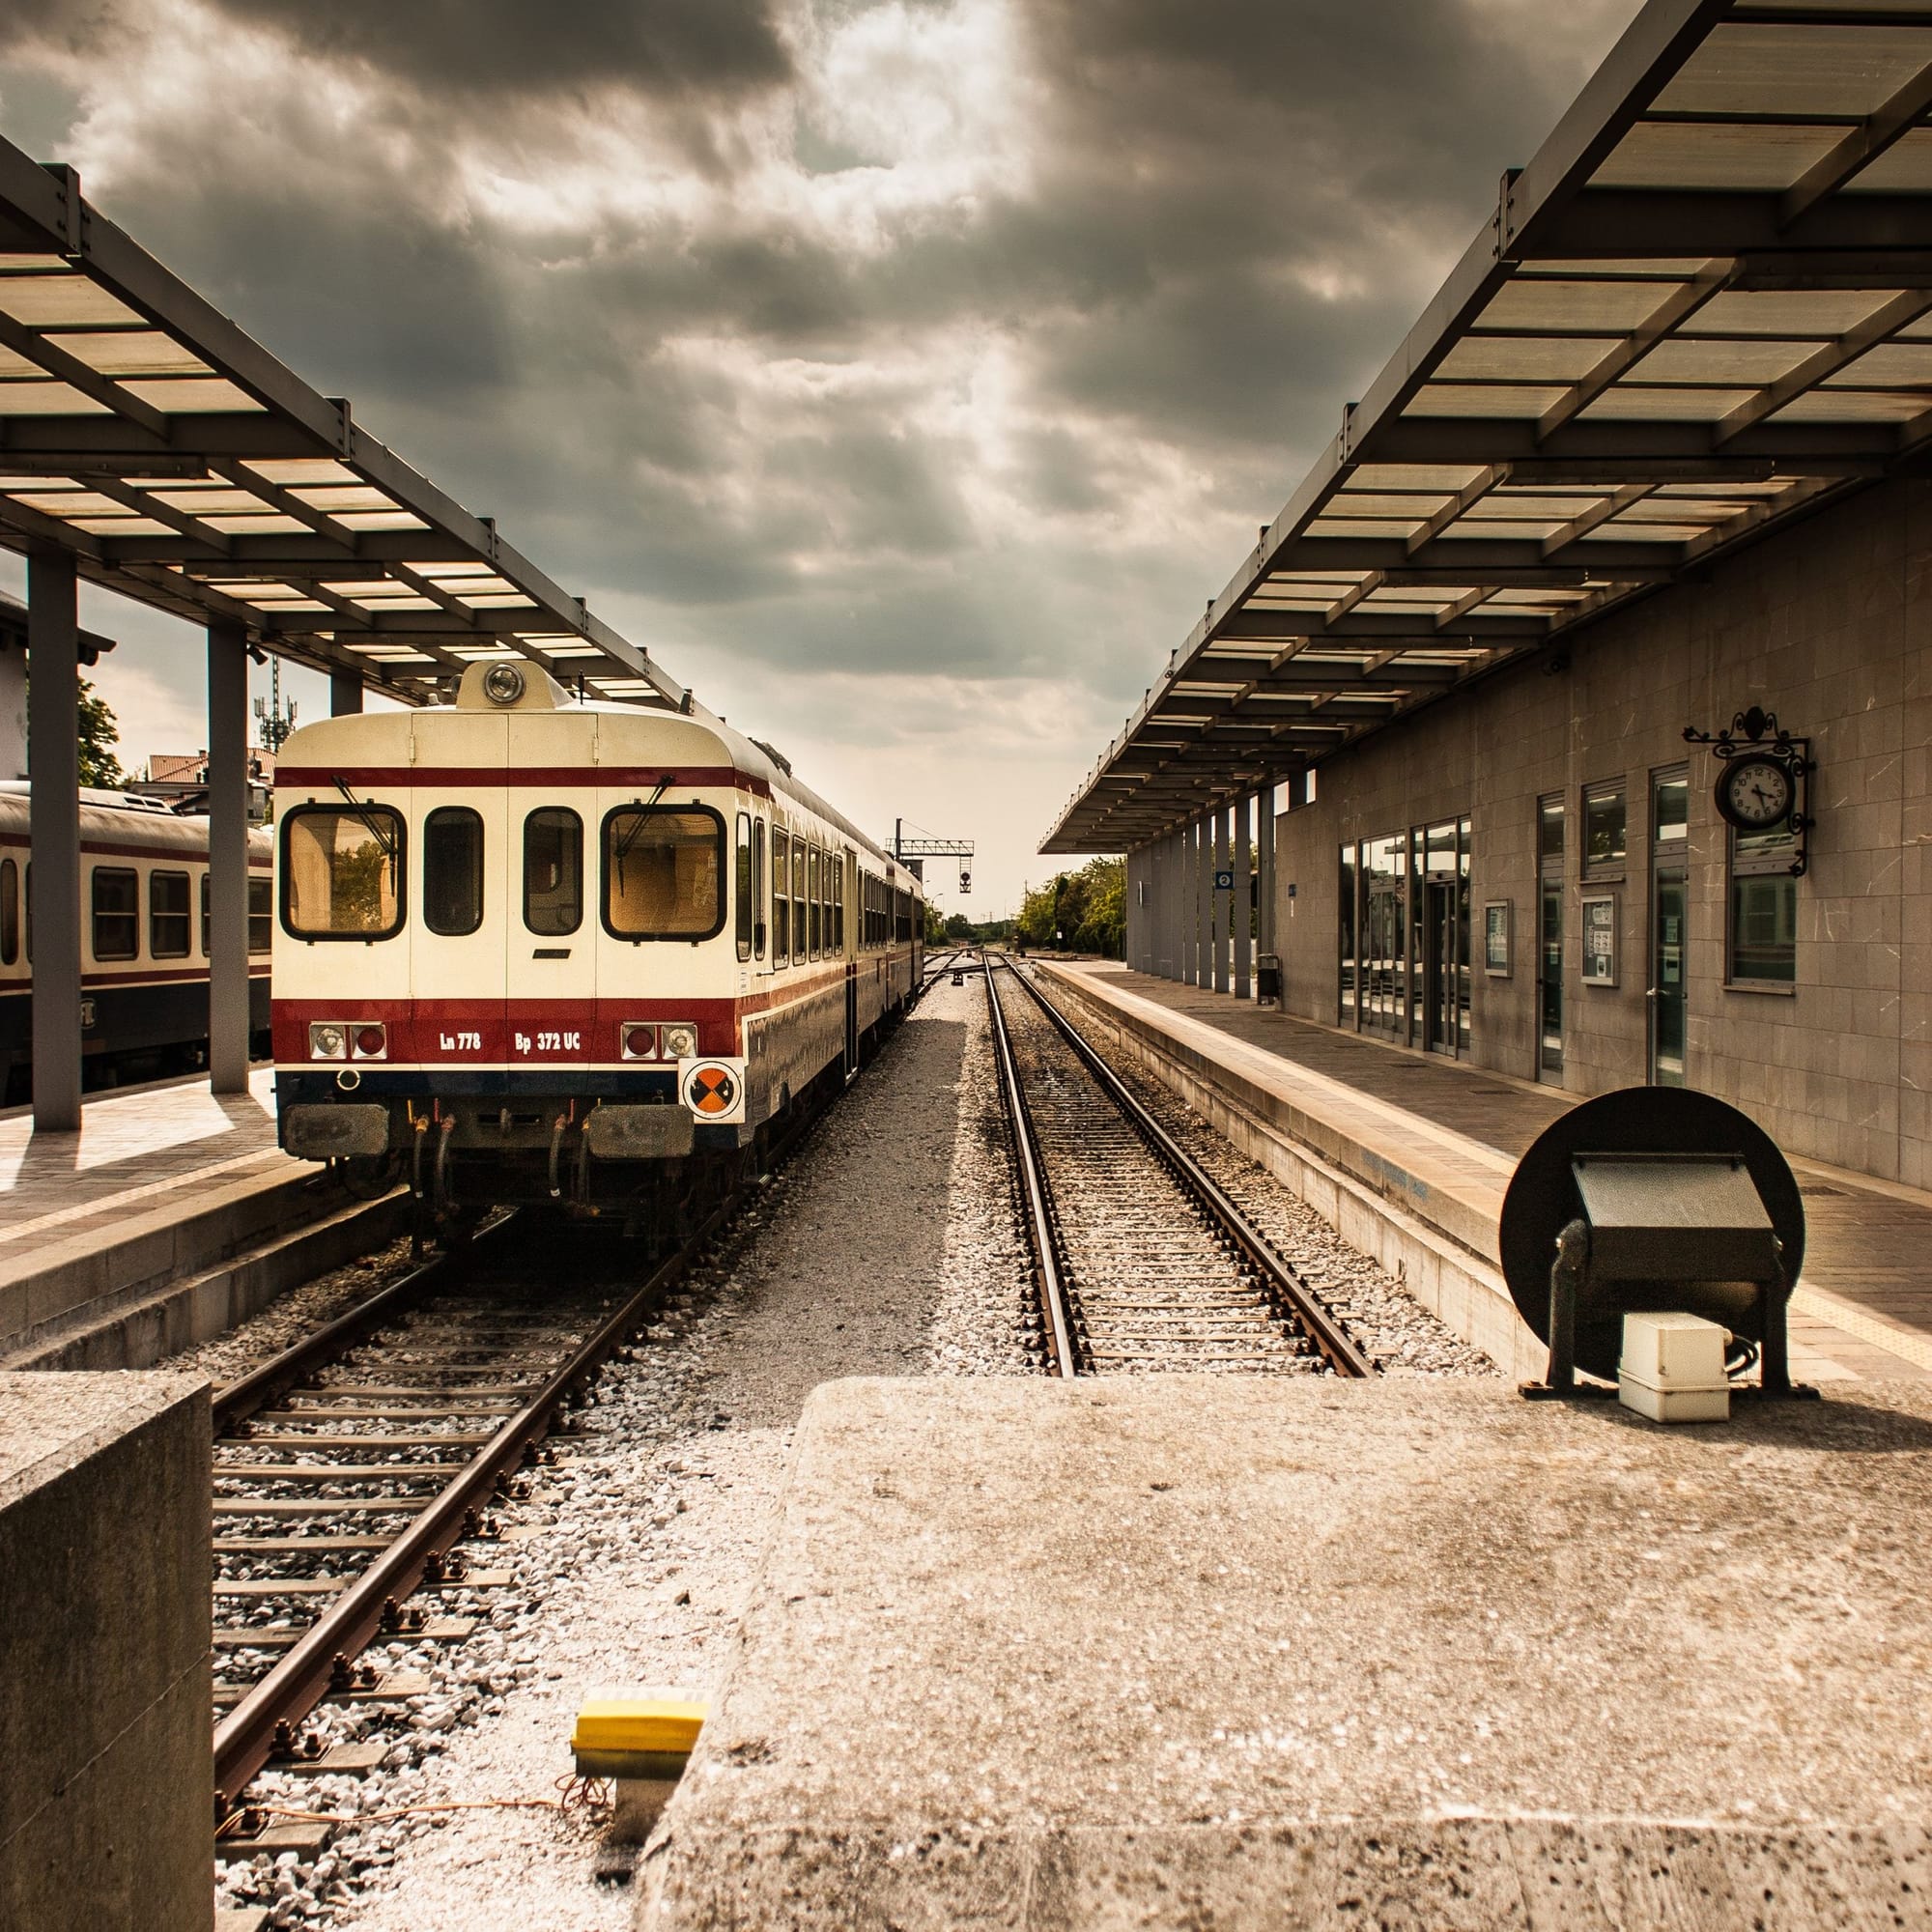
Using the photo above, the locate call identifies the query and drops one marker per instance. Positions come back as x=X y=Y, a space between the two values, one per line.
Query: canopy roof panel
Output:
x=1704 y=307
x=184 y=467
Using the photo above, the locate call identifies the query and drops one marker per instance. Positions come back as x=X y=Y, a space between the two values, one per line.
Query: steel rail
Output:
x=1040 y=1225
x=1292 y=1297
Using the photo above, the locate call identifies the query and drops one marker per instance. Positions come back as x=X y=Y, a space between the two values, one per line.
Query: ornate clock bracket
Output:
x=1756 y=734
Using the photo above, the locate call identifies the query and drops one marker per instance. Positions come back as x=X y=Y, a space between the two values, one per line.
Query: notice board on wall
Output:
x=1600 y=941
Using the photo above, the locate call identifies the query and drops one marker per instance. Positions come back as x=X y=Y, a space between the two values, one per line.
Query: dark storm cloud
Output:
x=526 y=46
x=1228 y=213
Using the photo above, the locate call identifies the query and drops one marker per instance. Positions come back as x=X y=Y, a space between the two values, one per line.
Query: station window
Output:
x=342 y=871
x=664 y=873
x=170 y=915
x=1550 y=935
x=452 y=870
x=260 y=915
x=744 y=903
x=553 y=871
x=10 y=911
x=781 y=901
x=1764 y=907
x=1604 y=815
x=117 y=912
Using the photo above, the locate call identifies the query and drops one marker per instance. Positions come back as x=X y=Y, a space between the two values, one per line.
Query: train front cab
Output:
x=490 y=971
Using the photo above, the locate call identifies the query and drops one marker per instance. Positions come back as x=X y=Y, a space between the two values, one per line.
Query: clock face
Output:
x=1755 y=793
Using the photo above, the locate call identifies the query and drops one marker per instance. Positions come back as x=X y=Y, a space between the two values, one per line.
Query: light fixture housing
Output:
x=678 y=1039
x=638 y=1040
x=328 y=1039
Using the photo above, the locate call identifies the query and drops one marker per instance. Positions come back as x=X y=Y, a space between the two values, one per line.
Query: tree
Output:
x=959 y=926
x=99 y=733
x=1083 y=911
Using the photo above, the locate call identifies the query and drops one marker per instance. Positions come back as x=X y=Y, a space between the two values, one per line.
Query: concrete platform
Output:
x=107 y=1759
x=1409 y=1155
x=1225 y=1654
x=114 y=1240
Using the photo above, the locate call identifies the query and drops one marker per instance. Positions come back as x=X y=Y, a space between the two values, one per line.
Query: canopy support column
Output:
x=53 y=772
x=1222 y=908
x=1242 y=919
x=228 y=857
x=1271 y=912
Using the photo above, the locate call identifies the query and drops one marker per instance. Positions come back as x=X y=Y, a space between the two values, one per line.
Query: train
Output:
x=532 y=948
x=143 y=940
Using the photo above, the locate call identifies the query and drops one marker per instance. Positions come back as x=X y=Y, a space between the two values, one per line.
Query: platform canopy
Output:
x=184 y=466
x=1704 y=307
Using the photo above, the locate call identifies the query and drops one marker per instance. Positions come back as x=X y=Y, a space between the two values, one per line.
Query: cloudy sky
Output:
x=905 y=373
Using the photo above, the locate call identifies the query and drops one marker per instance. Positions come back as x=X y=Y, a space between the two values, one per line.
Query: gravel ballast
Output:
x=887 y=1246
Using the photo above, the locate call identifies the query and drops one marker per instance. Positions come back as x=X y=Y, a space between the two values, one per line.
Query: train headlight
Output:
x=327 y=1042
x=680 y=1040
x=372 y=1043
x=639 y=1041
x=502 y=684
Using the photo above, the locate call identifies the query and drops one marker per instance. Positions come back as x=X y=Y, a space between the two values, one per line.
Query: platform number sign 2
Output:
x=1224 y=882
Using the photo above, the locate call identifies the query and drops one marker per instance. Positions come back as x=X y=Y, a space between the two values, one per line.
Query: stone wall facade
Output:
x=1828 y=625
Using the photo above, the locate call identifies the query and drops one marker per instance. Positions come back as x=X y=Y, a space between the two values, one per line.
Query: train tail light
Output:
x=371 y=1041
x=327 y=1041
x=680 y=1040
x=638 y=1040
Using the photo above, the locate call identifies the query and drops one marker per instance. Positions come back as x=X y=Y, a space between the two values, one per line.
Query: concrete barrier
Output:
x=107 y=1764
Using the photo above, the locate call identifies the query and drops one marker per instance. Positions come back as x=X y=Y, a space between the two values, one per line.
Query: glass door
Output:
x=1668 y=994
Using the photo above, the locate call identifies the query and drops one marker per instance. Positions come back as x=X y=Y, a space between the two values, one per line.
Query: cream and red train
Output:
x=144 y=932
x=543 y=950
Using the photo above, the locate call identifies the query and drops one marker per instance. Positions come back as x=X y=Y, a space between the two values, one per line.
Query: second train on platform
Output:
x=529 y=949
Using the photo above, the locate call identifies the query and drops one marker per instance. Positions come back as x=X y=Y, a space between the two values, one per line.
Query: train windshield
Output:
x=664 y=873
x=342 y=871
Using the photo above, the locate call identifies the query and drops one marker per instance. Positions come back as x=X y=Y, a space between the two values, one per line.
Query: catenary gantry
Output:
x=1703 y=309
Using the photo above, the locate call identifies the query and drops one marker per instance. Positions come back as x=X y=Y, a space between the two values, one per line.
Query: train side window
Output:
x=813 y=862
x=664 y=873
x=758 y=887
x=207 y=921
x=453 y=870
x=553 y=870
x=260 y=915
x=780 y=904
x=116 y=891
x=342 y=871
x=10 y=911
x=742 y=886
x=838 y=905
x=800 y=876
x=169 y=916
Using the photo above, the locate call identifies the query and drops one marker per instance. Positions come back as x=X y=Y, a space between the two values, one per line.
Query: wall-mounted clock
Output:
x=1755 y=792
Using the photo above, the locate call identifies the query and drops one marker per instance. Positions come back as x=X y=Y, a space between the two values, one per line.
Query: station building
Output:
x=1577 y=708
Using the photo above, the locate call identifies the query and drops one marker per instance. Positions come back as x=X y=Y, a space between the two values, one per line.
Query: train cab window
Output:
x=260 y=915
x=815 y=860
x=452 y=870
x=342 y=871
x=781 y=903
x=745 y=901
x=664 y=873
x=169 y=915
x=553 y=870
x=758 y=887
x=117 y=912
x=10 y=911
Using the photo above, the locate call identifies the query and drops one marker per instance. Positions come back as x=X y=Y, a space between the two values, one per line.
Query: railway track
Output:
x=356 y=1470
x=1144 y=1262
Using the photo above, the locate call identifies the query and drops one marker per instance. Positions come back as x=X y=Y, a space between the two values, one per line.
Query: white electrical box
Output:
x=1673 y=1369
